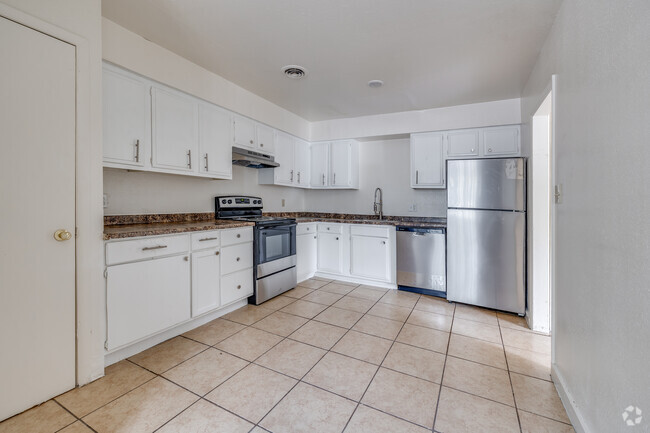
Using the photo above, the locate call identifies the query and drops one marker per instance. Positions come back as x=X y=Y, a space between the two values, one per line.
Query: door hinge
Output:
x=76 y=232
x=558 y=194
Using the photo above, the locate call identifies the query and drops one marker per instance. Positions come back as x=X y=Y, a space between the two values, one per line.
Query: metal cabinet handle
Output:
x=307 y=228
x=186 y=258
x=489 y=149
x=383 y=242
x=417 y=177
x=291 y=175
x=157 y=247
x=315 y=237
x=261 y=144
x=298 y=177
x=337 y=238
x=216 y=253
x=189 y=158
x=137 y=150
x=238 y=259
x=238 y=286
x=206 y=162
x=334 y=179
x=208 y=239
x=251 y=141
x=239 y=235
x=328 y=228
x=472 y=150
x=323 y=178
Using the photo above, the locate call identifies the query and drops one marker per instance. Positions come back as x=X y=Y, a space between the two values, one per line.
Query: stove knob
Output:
x=229 y=201
x=223 y=201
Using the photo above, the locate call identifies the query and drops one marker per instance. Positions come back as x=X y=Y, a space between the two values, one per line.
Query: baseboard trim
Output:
x=357 y=280
x=579 y=424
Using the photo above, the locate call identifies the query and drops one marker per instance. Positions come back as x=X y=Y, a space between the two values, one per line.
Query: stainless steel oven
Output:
x=274 y=245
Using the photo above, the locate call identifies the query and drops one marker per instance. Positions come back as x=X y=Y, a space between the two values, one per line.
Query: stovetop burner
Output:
x=243 y=208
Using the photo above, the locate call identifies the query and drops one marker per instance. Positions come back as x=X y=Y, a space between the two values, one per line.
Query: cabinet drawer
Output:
x=236 y=286
x=330 y=228
x=236 y=236
x=302 y=229
x=203 y=240
x=144 y=248
x=375 y=231
x=236 y=257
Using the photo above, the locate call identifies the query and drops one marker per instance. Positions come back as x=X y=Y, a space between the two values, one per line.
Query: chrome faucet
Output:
x=379 y=205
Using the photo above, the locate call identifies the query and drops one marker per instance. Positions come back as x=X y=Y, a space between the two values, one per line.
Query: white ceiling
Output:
x=429 y=53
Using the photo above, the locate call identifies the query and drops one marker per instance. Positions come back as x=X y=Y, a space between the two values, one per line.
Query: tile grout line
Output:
x=512 y=388
x=76 y=418
x=444 y=366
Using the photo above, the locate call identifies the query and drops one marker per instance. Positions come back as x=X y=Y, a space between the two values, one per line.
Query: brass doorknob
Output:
x=62 y=235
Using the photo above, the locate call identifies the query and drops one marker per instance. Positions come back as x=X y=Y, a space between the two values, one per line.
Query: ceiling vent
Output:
x=375 y=83
x=294 y=72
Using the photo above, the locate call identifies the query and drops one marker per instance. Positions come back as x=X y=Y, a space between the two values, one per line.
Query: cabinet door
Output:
x=319 y=165
x=146 y=297
x=284 y=155
x=175 y=131
x=125 y=102
x=502 y=141
x=427 y=161
x=243 y=132
x=462 y=143
x=206 y=276
x=214 y=142
x=329 y=253
x=370 y=257
x=265 y=139
x=302 y=163
x=341 y=160
x=306 y=255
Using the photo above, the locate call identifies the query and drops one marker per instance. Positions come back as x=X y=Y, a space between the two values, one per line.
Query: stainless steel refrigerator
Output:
x=486 y=233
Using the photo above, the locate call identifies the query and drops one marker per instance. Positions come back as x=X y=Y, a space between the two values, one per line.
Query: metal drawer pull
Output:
x=189 y=158
x=383 y=242
x=238 y=286
x=239 y=235
x=238 y=259
x=216 y=253
x=208 y=239
x=315 y=237
x=137 y=150
x=251 y=141
x=334 y=180
x=337 y=238
x=206 y=162
x=328 y=228
x=261 y=144
x=186 y=258
x=307 y=228
x=157 y=247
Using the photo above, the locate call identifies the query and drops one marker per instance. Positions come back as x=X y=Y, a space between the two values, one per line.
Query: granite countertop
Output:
x=130 y=226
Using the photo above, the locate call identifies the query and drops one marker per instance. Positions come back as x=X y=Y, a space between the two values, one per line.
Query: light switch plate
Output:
x=413 y=207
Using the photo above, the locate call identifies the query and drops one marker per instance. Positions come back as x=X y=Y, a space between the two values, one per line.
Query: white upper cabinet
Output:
x=175 y=130
x=501 y=141
x=427 y=160
x=284 y=155
x=215 y=150
x=463 y=143
x=302 y=163
x=319 y=165
x=243 y=132
x=265 y=139
x=126 y=118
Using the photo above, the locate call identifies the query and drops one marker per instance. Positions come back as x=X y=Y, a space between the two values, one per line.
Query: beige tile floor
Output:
x=325 y=357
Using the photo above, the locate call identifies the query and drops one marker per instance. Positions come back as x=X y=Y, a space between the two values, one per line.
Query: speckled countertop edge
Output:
x=129 y=226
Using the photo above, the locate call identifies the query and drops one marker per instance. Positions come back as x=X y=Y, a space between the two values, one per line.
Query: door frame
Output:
x=88 y=208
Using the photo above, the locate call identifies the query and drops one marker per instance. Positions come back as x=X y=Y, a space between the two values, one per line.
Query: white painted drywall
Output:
x=81 y=21
x=505 y=112
x=133 y=52
x=599 y=50
x=132 y=192
x=383 y=164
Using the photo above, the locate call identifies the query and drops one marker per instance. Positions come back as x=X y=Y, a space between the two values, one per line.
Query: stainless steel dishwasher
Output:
x=421 y=266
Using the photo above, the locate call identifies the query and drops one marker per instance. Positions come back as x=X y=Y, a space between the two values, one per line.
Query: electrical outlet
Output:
x=283 y=202
x=105 y=201
x=413 y=207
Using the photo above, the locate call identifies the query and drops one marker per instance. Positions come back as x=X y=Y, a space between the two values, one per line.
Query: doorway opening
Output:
x=540 y=222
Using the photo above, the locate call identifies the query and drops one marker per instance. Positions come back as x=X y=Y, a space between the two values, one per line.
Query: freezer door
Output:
x=486 y=258
x=421 y=259
x=498 y=184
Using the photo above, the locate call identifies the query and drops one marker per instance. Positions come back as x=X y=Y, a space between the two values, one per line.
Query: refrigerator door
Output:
x=486 y=258
x=498 y=184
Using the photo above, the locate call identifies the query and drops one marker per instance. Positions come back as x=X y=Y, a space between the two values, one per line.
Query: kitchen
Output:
x=351 y=331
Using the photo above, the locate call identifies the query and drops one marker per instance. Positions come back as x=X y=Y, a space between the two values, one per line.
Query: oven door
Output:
x=276 y=248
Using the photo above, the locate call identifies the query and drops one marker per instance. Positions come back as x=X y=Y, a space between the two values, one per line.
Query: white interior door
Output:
x=37 y=191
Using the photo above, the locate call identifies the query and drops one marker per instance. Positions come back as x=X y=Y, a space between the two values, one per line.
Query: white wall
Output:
x=81 y=19
x=132 y=192
x=133 y=52
x=383 y=164
x=599 y=49
x=505 y=112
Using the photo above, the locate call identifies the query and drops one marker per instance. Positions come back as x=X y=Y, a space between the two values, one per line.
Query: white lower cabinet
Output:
x=156 y=282
x=370 y=257
x=206 y=281
x=330 y=252
x=306 y=255
x=146 y=297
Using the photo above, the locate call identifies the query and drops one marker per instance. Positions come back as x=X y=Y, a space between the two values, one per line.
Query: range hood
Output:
x=252 y=159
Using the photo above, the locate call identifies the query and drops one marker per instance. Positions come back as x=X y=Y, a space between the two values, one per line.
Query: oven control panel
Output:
x=238 y=202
